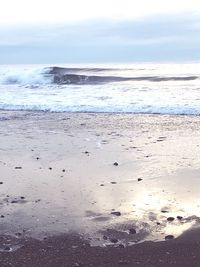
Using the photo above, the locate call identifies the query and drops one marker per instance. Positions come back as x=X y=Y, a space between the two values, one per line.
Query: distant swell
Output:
x=72 y=76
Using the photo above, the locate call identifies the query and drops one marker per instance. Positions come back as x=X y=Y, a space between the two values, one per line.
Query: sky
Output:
x=104 y=31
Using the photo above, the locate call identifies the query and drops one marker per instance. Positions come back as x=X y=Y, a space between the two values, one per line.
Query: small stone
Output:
x=116 y=213
x=101 y=184
x=22 y=197
x=132 y=231
x=160 y=140
x=63 y=170
x=1 y=182
x=2 y=216
x=50 y=168
x=14 y=201
x=105 y=237
x=170 y=219
x=18 y=168
x=18 y=234
x=121 y=246
x=169 y=237
x=179 y=218
x=86 y=152
x=113 y=182
x=7 y=248
x=115 y=164
x=158 y=223
x=37 y=158
x=114 y=240
x=139 y=179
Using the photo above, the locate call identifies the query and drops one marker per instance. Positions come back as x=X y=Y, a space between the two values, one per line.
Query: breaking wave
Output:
x=77 y=76
x=142 y=88
x=25 y=76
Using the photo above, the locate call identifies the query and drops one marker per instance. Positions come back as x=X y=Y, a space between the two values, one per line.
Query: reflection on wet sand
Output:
x=116 y=179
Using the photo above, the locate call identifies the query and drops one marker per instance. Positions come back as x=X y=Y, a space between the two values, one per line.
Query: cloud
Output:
x=166 y=37
x=23 y=12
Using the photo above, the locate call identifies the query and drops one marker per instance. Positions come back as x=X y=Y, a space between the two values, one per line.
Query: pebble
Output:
x=116 y=213
x=105 y=237
x=132 y=231
x=139 y=179
x=18 y=234
x=1 y=182
x=169 y=237
x=170 y=219
x=115 y=164
x=14 y=201
x=179 y=218
x=114 y=240
x=18 y=168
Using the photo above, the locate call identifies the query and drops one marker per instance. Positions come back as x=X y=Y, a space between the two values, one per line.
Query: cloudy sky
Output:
x=77 y=31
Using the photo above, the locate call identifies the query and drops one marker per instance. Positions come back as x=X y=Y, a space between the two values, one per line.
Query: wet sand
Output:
x=98 y=189
x=72 y=250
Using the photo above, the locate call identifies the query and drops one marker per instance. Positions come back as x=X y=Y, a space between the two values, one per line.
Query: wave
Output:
x=25 y=76
x=42 y=89
x=78 y=76
x=85 y=79
x=109 y=109
x=72 y=76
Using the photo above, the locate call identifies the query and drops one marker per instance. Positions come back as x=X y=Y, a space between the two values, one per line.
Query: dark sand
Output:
x=72 y=250
x=98 y=189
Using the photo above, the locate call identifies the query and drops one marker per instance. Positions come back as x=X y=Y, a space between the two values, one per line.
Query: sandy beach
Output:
x=98 y=189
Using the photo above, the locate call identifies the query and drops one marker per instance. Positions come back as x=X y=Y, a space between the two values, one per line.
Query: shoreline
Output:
x=59 y=176
x=99 y=112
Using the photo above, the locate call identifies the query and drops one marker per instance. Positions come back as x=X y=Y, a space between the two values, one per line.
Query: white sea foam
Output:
x=24 y=75
x=31 y=88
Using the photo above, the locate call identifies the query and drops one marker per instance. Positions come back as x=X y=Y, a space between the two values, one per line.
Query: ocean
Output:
x=146 y=88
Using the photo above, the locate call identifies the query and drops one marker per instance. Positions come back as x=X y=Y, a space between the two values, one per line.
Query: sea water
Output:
x=167 y=88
